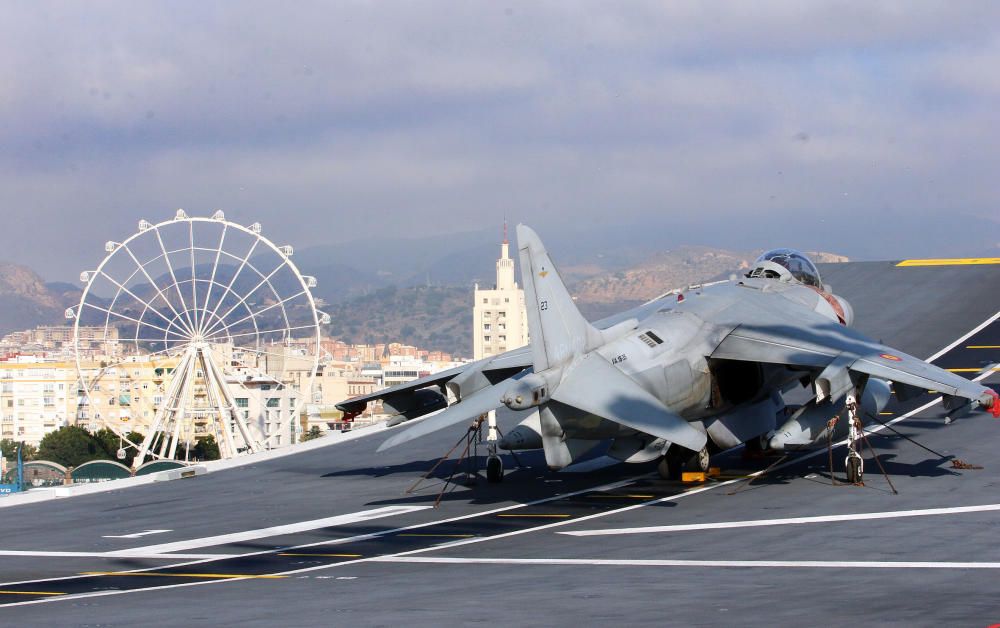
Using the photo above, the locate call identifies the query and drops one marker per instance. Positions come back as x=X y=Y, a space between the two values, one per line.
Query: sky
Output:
x=855 y=127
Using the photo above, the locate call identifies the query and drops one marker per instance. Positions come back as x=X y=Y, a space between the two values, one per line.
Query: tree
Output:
x=206 y=449
x=111 y=442
x=8 y=448
x=70 y=446
x=314 y=432
x=130 y=452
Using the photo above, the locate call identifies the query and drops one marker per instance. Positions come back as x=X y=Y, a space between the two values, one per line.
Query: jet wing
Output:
x=421 y=396
x=816 y=346
x=356 y=405
x=474 y=405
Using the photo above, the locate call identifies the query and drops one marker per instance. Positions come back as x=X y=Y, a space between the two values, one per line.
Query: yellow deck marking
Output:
x=443 y=536
x=973 y=370
x=621 y=496
x=982 y=346
x=178 y=575
x=886 y=413
x=31 y=593
x=535 y=516
x=955 y=261
x=326 y=555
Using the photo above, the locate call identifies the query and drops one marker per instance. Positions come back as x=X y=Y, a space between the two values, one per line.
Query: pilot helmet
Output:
x=787 y=264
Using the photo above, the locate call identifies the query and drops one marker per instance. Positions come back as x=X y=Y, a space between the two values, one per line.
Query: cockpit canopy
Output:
x=795 y=263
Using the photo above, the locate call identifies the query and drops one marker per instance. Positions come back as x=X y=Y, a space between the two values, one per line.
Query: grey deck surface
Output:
x=918 y=310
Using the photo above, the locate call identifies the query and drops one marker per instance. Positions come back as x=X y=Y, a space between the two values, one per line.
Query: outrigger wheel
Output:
x=855 y=468
x=494 y=469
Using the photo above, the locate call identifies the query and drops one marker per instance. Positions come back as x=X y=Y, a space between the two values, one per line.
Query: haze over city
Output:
x=868 y=130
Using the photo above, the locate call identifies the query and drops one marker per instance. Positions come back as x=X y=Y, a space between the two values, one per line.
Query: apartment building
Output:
x=499 y=316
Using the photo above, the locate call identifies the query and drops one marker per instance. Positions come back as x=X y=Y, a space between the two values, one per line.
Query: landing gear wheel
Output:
x=672 y=463
x=855 y=470
x=670 y=467
x=494 y=469
x=701 y=460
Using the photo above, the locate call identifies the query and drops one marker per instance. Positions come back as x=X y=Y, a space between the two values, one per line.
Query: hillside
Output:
x=440 y=318
x=429 y=317
x=26 y=301
x=672 y=269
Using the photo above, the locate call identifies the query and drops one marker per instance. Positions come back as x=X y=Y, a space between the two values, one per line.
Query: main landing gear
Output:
x=677 y=459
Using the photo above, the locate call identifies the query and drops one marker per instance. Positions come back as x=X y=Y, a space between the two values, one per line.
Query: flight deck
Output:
x=331 y=536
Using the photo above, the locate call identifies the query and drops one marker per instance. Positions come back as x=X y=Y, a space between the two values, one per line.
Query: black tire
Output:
x=670 y=467
x=494 y=469
x=854 y=473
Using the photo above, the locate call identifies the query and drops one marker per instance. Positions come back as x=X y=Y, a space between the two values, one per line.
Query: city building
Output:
x=36 y=398
x=123 y=396
x=41 y=391
x=499 y=317
x=59 y=338
x=335 y=382
x=269 y=408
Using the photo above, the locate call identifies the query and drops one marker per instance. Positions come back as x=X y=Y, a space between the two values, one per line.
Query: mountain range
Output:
x=421 y=295
x=27 y=301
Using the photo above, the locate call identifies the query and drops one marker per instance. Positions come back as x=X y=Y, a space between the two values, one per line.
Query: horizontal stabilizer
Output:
x=595 y=386
x=466 y=410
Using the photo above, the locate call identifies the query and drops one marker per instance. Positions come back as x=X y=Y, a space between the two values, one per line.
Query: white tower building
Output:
x=499 y=318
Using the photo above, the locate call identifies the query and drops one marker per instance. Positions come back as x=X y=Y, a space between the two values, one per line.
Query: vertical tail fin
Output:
x=558 y=331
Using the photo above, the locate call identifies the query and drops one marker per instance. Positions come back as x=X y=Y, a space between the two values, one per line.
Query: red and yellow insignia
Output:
x=889 y=356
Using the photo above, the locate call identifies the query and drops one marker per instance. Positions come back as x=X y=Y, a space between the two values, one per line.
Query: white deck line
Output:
x=261 y=533
x=114 y=555
x=352 y=539
x=611 y=562
x=975 y=331
x=755 y=523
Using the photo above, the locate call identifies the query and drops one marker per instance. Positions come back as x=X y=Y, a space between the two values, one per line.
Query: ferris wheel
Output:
x=194 y=328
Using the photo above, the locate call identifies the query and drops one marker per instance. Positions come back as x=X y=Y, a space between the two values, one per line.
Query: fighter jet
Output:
x=681 y=377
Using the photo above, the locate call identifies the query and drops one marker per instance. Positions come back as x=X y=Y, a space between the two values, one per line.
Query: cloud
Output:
x=333 y=122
